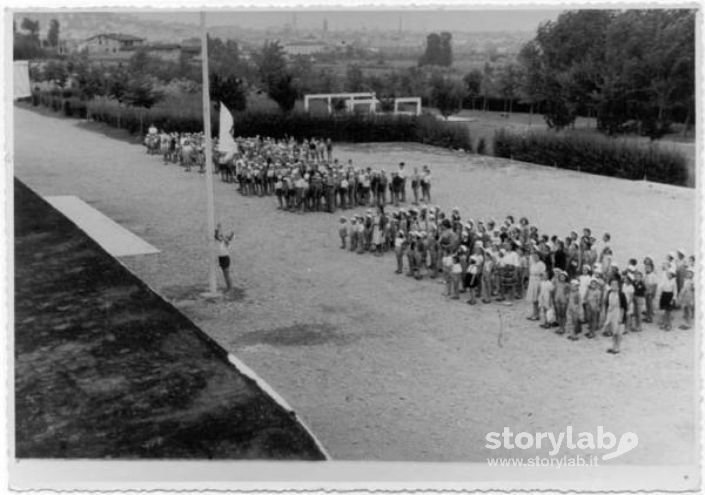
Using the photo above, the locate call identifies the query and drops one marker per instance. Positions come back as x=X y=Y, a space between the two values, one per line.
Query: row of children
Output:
x=303 y=176
x=513 y=260
x=184 y=149
x=616 y=302
x=308 y=182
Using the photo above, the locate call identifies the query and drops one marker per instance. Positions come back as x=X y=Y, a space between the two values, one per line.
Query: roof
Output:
x=117 y=36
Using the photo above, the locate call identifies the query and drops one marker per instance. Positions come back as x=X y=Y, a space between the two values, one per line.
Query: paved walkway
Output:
x=112 y=237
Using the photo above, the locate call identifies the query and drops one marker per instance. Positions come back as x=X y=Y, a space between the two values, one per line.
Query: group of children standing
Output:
x=573 y=285
x=307 y=181
x=303 y=176
x=184 y=149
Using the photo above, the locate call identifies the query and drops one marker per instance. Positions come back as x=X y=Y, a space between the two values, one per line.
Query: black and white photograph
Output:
x=342 y=245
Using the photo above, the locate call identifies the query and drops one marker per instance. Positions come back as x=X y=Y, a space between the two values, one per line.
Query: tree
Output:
x=446 y=94
x=649 y=70
x=56 y=72
x=488 y=84
x=230 y=90
x=91 y=79
x=508 y=84
x=26 y=46
x=446 y=54
x=433 y=54
x=224 y=58
x=276 y=78
x=141 y=93
x=53 y=34
x=117 y=84
x=354 y=79
x=303 y=74
x=325 y=82
x=32 y=27
x=271 y=62
x=531 y=82
x=283 y=91
x=473 y=85
x=569 y=54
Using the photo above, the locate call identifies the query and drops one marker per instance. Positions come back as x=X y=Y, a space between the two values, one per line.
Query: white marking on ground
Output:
x=113 y=237
x=248 y=372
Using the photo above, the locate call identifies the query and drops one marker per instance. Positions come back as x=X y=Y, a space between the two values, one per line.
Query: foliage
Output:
x=649 y=70
x=508 y=83
x=140 y=92
x=230 y=90
x=473 y=85
x=171 y=115
x=595 y=154
x=56 y=72
x=31 y=26
x=26 y=46
x=438 y=51
x=345 y=127
x=275 y=76
x=447 y=94
x=632 y=65
x=354 y=79
x=53 y=34
x=283 y=91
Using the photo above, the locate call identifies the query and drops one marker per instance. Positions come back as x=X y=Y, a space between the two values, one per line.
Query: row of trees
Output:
x=627 y=68
x=27 y=43
x=632 y=70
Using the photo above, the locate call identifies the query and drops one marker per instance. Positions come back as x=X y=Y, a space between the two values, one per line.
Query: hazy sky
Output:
x=417 y=20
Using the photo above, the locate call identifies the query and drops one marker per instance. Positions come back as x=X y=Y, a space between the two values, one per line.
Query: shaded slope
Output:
x=105 y=368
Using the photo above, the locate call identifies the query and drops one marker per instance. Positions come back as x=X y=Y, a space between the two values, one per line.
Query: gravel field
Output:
x=380 y=366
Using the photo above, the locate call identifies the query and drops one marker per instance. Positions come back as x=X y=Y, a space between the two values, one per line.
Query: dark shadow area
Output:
x=105 y=368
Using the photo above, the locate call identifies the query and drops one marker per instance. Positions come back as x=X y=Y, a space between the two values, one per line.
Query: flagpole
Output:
x=210 y=206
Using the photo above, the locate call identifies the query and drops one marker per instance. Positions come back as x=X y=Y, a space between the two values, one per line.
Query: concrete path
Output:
x=112 y=237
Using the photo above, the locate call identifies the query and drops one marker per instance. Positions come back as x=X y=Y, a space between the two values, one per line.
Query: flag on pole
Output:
x=226 y=143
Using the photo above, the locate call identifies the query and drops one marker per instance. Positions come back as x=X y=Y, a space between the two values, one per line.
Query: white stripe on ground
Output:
x=248 y=372
x=113 y=237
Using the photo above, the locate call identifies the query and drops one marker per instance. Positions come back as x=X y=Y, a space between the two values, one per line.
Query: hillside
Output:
x=81 y=25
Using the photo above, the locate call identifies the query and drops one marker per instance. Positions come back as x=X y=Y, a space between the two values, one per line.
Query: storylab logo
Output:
x=610 y=444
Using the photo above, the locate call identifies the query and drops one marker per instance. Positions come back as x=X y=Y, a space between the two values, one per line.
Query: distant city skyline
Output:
x=358 y=19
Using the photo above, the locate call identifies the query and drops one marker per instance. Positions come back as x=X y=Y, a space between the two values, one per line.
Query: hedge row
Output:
x=71 y=106
x=355 y=128
x=349 y=127
x=596 y=154
x=138 y=119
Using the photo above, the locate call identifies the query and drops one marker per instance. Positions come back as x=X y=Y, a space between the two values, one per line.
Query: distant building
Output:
x=111 y=43
x=164 y=51
x=311 y=47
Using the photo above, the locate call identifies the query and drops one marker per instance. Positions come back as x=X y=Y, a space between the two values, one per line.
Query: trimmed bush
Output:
x=347 y=127
x=133 y=118
x=595 y=154
x=74 y=107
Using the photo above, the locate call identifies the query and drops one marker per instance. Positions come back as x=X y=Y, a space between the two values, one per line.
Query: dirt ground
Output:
x=380 y=366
